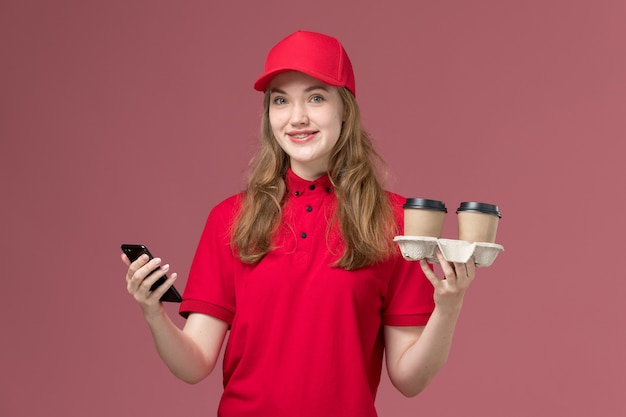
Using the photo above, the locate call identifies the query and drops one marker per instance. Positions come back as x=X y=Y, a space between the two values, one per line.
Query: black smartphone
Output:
x=135 y=251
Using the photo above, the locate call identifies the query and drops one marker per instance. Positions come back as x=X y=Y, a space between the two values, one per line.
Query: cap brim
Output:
x=264 y=81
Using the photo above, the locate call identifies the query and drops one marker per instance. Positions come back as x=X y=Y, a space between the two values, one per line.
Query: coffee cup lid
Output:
x=423 y=203
x=476 y=207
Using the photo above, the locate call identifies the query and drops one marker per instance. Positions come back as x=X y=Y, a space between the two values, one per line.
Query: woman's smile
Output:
x=302 y=136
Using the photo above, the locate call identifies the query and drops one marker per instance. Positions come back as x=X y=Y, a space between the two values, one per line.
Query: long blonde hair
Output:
x=364 y=214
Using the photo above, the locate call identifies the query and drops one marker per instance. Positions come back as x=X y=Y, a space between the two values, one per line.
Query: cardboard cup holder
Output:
x=414 y=248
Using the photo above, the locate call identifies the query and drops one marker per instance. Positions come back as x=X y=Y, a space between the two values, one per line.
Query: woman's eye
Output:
x=279 y=100
x=317 y=99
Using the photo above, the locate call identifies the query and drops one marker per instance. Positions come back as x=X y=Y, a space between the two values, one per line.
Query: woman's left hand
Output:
x=449 y=291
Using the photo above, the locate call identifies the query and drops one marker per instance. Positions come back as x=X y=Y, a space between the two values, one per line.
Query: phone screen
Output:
x=135 y=251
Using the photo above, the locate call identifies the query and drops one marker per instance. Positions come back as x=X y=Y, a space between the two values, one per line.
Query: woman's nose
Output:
x=299 y=115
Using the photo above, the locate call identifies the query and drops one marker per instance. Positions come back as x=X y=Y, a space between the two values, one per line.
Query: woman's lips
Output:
x=301 y=136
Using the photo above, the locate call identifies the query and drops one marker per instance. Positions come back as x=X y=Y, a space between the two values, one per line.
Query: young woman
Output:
x=301 y=267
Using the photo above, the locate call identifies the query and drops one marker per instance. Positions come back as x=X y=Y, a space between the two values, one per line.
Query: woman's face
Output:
x=306 y=117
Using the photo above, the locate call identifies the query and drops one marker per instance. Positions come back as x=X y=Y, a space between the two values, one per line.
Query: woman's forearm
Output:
x=426 y=353
x=190 y=354
x=416 y=354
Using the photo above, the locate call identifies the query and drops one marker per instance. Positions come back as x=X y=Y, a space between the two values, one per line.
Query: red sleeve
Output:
x=210 y=286
x=409 y=299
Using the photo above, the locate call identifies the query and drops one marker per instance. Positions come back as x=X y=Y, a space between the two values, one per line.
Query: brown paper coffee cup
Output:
x=478 y=222
x=423 y=217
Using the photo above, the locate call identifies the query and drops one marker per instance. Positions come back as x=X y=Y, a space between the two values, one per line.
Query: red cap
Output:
x=320 y=56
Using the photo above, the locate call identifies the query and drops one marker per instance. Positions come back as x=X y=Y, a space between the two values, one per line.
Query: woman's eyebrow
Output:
x=306 y=90
x=315 y=87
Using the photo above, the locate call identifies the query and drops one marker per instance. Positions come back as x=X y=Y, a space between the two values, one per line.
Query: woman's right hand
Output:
x=140 y=276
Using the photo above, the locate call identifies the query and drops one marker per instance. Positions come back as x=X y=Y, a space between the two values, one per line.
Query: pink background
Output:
x=126 y=121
